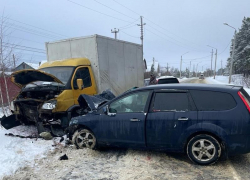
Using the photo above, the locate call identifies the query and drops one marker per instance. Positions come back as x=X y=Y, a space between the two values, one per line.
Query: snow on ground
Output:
x=19 y=152
x=236 y=80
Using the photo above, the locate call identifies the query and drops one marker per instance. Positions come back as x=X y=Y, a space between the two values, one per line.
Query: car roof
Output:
x=166 y=77
x=191 y=86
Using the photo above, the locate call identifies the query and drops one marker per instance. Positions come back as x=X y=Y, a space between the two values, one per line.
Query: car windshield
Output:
x=62 y=73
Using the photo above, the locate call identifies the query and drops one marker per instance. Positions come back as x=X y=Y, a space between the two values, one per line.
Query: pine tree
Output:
x=242 y=49
x=153 y=67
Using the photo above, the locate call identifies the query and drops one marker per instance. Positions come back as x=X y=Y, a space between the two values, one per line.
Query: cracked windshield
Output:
x=160 y=91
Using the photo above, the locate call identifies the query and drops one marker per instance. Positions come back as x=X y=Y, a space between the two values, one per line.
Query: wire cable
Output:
x=96 y=11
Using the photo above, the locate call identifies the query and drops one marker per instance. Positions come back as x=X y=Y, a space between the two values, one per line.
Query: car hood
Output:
x=24 y=77
x=91 y=103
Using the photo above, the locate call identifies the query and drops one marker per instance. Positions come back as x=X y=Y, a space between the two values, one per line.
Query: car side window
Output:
x=82 y=73
x=135 y=102
x=212 y=100
x=170 y=101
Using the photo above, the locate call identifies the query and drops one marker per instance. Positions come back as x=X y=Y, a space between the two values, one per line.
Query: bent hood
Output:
x=91 y=103
x=24 y=77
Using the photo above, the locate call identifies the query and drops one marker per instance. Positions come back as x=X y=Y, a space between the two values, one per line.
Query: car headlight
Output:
x=12 y=107
x=49 y=105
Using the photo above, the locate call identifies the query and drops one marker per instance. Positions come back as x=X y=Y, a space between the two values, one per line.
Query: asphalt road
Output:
x=131 y=164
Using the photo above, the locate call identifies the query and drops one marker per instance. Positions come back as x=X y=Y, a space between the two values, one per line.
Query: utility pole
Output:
x=180 y=66
x=142 y=24
x=196 y=69
x=14 y=61
x=1 y=51
x=232 y=59
x=221 y=68
x=215 y=64
x=115 y=31
x=212 y=62
x=167 y=68
x=181 y=62
x=189 y=69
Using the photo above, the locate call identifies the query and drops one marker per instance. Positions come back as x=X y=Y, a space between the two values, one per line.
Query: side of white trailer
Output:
x=120 y=64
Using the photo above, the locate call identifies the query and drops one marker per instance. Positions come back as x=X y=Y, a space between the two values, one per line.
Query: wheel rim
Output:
x=85 y=139
x=203 y=150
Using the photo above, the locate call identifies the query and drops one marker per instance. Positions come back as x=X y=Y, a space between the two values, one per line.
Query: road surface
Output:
x=131 y=164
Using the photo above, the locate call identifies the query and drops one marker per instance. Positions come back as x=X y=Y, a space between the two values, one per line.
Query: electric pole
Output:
x=215 y=64
x=221 y=68
x=142 y=24
x=212 y=62
x=14 y=61
x=180 y=66
x=115 y=31
x=189 y=69
x=232 y=59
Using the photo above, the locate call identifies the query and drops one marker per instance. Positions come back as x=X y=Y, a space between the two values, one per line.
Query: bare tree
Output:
x=6 y=54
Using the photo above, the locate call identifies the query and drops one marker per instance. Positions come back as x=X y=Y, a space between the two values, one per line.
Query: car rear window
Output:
x=168 y=80
x=212 y=101
x=170 y=102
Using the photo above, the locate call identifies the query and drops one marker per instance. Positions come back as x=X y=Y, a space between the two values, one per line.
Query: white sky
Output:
x=183 y=25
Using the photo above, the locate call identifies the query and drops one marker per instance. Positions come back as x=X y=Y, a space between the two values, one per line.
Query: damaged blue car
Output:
x=204 y=121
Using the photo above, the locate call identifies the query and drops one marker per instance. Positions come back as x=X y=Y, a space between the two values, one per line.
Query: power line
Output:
x=129 y=24
x=37 y=49
x=35 y=27
x=150 y=20
x=19 y=48
x=129 y=35
x=225 y=48
x=113 y=9
x=32 y=31
x=96 y=11
x=26 y=39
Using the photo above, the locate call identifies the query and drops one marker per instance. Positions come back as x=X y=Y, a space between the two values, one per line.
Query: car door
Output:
x=124 y=124
x=171 y=113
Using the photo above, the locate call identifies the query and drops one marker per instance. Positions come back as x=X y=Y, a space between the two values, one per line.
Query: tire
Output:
x=203 y=149
x=83 y=138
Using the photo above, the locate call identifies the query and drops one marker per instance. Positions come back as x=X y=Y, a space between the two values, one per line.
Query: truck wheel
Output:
x=83 y=138
x=203 y=149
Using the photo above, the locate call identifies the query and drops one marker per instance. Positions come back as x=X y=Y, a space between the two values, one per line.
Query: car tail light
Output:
x=245 y=100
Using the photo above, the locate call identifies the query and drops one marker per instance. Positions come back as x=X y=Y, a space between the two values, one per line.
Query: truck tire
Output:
x=83 y=138
x=203 y=149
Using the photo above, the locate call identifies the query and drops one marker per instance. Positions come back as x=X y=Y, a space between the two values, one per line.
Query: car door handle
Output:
x=134 y=120
x=182 y=119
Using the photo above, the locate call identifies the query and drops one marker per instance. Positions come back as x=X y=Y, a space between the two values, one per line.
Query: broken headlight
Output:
x=49 y=105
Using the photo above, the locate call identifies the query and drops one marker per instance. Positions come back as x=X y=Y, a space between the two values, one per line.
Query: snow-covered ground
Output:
x=236 y=80
x=19 y=152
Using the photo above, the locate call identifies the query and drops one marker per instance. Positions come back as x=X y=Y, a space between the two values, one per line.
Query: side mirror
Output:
x=79 y=83
x=106 y=109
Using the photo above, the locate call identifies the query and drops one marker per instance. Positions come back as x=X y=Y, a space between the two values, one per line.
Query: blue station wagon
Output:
x=204 y=121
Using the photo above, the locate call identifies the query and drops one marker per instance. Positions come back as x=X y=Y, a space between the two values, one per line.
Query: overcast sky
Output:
x=173 y=27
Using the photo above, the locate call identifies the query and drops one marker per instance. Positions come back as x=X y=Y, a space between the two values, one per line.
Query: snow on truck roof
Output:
x=66 y=62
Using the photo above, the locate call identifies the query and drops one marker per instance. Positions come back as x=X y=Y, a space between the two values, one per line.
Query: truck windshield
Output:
x=62 y=73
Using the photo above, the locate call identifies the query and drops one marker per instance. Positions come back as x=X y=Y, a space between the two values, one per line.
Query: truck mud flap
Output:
x=9 y=122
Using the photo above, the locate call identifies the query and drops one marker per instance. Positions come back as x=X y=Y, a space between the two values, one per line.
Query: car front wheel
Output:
x=83 y=138
x=204 y=149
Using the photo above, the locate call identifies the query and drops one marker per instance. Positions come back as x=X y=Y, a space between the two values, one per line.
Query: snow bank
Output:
x=19 y=152
x=237 y=80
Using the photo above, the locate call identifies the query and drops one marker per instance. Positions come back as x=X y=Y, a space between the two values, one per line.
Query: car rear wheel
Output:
x=83 y=138
x=204 y=149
